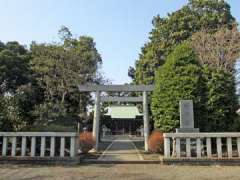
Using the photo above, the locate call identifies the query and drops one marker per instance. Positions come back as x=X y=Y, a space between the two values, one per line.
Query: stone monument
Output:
x=186 y=117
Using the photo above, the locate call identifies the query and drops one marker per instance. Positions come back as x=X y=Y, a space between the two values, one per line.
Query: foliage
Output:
x=87 y=141
x=177 y=27
x=222 y=101
x=11 y=115
x=39 y=87
x=14 y=66
x=156 y=142
x=217 y=53
x=179 y=78
x=48 y=112
x=211 y=88
x=18 y=92
x=16 y=108
x=52 y=128
x=216 y=48
x=59 y=69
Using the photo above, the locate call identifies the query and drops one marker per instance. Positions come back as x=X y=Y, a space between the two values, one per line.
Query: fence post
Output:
x=219 y=147
x=43 y=145
x=4 y=147
x=238 y=146
x=74 y=146
x=14 y=143
x=178 y=147
x=33 y=146
x=62 y=147
x=167 y=147
x=229 y=146
x=52 y=147
x=23 y=147
x=209 y=148
x=199 y=147
x=188 y=147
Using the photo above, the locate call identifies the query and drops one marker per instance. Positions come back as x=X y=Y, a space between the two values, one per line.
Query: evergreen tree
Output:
x=178 y=79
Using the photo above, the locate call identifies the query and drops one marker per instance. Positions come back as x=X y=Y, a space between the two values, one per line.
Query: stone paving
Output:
x=121 y=149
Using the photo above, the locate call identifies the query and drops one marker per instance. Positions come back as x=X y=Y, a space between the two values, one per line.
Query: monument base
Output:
x=187 y=130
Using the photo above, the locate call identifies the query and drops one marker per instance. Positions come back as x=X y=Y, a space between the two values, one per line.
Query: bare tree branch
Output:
x=221 y=49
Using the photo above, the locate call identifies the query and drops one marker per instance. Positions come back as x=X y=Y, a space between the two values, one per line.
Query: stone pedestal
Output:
x=187 y=130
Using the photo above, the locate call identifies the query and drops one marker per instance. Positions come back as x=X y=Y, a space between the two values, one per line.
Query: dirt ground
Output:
x=120 y=171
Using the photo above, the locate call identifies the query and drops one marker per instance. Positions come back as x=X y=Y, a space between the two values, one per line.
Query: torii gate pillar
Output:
x=96 y=119
x=145 y=120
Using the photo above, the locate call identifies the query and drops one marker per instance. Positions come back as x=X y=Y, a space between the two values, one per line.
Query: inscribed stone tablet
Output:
x=186 y=114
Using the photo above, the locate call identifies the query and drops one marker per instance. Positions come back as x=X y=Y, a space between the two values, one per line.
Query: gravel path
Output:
x=118 y=172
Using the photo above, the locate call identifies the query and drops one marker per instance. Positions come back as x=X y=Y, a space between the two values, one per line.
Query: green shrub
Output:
x=222 y=101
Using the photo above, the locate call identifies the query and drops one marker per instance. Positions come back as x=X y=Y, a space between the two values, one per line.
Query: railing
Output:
x=202 y=145
x=39 y=144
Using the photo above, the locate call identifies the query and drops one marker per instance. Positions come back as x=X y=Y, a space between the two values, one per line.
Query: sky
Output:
x=119 y=28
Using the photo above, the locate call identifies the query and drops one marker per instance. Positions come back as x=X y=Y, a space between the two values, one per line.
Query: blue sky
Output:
x=119 y=28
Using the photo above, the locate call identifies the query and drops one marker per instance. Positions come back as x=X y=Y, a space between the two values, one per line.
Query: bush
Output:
x=222 y=101
x=87 y=142
x=156 y=142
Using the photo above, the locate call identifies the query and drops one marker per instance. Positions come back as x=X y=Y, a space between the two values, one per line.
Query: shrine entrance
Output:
x=121 y=119
x=99 y=99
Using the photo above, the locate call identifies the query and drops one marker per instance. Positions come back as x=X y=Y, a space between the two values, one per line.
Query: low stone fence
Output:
x=202 y=145
x=38 y=144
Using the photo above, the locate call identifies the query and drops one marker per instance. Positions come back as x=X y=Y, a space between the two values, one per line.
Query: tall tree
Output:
x=178 y=26
x=179 y=78
x=60 y=68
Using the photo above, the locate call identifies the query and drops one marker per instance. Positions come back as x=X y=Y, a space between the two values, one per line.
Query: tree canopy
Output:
x=59 y=69
x=218 y=50
x=39 y=86
x=177 y=27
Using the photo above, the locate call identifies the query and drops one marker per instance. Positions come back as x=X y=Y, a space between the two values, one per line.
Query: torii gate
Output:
x=118 y=88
